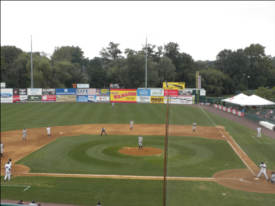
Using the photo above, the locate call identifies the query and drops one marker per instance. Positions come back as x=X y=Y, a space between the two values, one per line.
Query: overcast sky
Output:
x=202 y=29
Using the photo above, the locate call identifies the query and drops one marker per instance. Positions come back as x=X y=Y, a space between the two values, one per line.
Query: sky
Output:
x=201 y=28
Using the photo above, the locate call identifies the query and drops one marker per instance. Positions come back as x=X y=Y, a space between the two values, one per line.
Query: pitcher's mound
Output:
x=141 y=152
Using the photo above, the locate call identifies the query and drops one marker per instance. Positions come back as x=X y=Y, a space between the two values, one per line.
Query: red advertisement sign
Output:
x=173 y=93
x=48 y=98
x=20 y=98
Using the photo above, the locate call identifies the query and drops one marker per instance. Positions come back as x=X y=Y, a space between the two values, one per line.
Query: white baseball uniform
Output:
x=263 y=170
x=7 y=170
x=140 y=140
x=259 y=132
x=24 y=133
x=48 y=131
x=113 y=104
x=131 y=124
x=2 y=148
x=194 y=126
x=272 y=178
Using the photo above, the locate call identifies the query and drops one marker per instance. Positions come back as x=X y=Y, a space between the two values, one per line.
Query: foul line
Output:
x=256 y=140
x=229 y=142
x=27 y=187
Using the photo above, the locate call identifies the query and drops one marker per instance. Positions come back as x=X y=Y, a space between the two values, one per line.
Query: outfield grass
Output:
x=188 y=156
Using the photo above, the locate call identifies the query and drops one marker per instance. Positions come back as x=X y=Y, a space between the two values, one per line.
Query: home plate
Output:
x=61 y=132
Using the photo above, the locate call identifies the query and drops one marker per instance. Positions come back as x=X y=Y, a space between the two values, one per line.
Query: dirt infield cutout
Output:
x=240 y=179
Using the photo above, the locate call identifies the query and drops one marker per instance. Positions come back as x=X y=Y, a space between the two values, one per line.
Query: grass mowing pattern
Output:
x=94 y=154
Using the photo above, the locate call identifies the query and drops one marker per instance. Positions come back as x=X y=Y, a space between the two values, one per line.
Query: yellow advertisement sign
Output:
x=157 y=100
x=123 y=95
x=173 y=85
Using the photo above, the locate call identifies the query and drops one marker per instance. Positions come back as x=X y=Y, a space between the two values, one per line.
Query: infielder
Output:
x=272 y=179
x=7 y=170
x=2 y=148
x=194 y=126
x=131 y=124
x=259 y=132
x=103 y=130
x=10 y=166
x=263 y=170
x=48 y=131
x=140 y=141
x=24 y=134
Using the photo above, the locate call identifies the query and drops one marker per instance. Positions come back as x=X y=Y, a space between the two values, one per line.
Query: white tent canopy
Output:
x=236 y=98
x=252 y=100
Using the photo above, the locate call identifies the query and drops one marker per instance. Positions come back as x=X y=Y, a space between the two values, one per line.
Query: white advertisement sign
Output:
x=34 y=91
x=181 y=99
x=103 y=98
x=81 y=86
x=3 y=84
x=6 y=95
x=157 y=92
x=143 y=99
x=202 y=92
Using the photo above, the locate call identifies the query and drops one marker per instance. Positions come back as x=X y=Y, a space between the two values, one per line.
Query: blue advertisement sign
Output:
x=92 y=98
x=61 y=91
x=82 y=98
x=143 y=92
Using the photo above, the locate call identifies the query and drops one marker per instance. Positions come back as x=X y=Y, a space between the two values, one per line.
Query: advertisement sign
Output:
x=62 y=91
x=202 y=92
x=157 y=92
x=34 y=98
x=123 y=95
x=34 y=91
x=173 y=93
x=82 y=91
x=103 y=92
x=173 y=85
x=20 y=98
x=143 y=92
x=92 y=98
x=18 y=91
x=3 y=84
x=102 y=98
x=65 y=98
x=82 y=98
x=92 y=91
x=81 y=86
x=48 y=91
x=143 y=99
x=156 y=99
x=6 y=95
x=186 y=92
x=181 y=99
x=48 y=98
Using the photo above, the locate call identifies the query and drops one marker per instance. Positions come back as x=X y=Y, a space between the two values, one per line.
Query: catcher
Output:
x=140 y=141
x=272 y=179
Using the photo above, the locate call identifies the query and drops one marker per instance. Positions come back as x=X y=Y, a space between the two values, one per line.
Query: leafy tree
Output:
x=68 y=53
x=129 y=52
x=110 y=53
x=166 y=70
x=96 y=73
x=117 y=71
x=266 y=93
x=21 y=75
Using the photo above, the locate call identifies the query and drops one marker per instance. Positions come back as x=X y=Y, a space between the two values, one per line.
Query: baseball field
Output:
x=215 y=165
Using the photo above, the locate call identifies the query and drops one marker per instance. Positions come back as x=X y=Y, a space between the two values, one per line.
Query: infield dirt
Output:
x=240 y=179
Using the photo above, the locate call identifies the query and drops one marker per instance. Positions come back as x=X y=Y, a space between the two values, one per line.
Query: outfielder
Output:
x=103 y=130
x=2 y=148
x=272 y=179
x=48 y=131
x=113 y=105
x=7 y=170
x=24 y=134
x=140 y=141
x=263 y=170
x=259 y=132
x=194 y=126
x=131 y=124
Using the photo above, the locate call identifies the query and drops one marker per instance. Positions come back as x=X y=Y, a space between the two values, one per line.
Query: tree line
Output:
x=243 y=69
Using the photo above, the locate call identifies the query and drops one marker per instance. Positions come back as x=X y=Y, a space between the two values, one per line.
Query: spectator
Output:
x=33 y=203
x=98 y=204
x=20 y=202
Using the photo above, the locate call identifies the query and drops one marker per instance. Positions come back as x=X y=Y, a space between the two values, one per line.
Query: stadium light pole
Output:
x=31 y=66
x=146 y=64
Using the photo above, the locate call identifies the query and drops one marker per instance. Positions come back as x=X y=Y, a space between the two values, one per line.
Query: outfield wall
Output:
x=92 y=95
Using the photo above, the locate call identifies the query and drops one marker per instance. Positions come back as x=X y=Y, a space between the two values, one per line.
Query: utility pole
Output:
x=31 y=66
x=146 y=65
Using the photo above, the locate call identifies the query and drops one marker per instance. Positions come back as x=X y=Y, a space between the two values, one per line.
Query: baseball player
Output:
x=140 y=141
x=2 y=148
x=113 y=105
x=7 y=170
x=259 y=132
x=48 y=131
x=10 y=166
x=24 y=134
x=131 y=124
x=103 y=130
x=194 y=126
x=263 y=170
x=272 y=179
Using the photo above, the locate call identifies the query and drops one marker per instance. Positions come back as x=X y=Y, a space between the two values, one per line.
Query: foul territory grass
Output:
x=115 y=192
x=93 y=154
